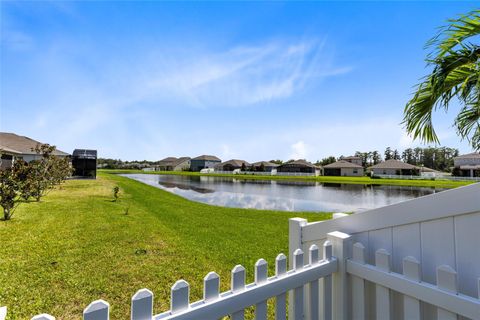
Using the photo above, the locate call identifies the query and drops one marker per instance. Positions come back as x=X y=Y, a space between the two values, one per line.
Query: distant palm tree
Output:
x=456 y=73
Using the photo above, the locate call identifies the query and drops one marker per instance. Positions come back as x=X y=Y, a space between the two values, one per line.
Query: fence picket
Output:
x=180 y=296
x=382 y=294
x=447 y=281
x=261 y=274
x=313 y=259
x=358 y=284
x=211 y=287
x=43 y=316
x=327 y=283
x=411 y=306
x=238 y=284
x=3 y=313
x=298 y=292
x=97 y=310
x=142 y=305
x=281 y=299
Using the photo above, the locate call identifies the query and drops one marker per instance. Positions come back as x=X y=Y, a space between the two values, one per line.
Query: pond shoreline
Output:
x=446 y=184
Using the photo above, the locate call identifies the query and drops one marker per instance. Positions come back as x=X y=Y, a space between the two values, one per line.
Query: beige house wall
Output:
x=352 y=172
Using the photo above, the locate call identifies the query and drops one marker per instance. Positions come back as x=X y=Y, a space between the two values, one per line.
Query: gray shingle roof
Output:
x=21 y=144
x=235 y=163
x=393 y=164
x=300 y=163
x=265 y=164
x=206 y=157
x=474 y=155
x=342 y=164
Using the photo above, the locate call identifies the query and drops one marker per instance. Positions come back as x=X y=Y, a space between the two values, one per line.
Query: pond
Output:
x=281 y=194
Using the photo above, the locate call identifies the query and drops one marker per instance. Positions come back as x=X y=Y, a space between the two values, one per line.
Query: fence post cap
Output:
x=180 y=284
x=238 y=268
x=260 y=262
x=142 y=293
x=211 y=275
x=297 y=252
x=281 y=256
x=96 y=305
x=338 y=234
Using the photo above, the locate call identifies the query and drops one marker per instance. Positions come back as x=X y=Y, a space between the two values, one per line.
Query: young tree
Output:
x=455 y=59
x=9 y=192
x=327 y=160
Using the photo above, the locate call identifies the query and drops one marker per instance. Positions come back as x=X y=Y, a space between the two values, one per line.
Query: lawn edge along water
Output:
x=447 y=184
x=78 y=245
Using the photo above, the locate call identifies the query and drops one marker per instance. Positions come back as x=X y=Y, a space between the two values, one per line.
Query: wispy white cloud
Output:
x=299 y=150
x=245 y=75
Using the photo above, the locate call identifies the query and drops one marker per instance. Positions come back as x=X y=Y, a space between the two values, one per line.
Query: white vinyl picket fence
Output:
x=215 y=305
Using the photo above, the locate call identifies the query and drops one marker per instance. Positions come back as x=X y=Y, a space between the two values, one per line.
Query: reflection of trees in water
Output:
x=184 y=187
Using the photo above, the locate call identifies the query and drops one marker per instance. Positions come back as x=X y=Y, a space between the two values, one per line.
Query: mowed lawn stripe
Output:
x=76 y=246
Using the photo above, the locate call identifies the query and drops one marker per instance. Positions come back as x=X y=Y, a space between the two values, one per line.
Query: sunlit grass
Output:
x=77 y=245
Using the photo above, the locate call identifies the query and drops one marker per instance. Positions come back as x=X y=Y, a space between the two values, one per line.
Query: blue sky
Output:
x=255 y=81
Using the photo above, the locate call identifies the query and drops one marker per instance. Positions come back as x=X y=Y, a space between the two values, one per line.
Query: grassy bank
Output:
x=77 y=246
x=325 y=179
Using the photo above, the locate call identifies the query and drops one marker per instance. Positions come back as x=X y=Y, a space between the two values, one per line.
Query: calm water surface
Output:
x=281 y=195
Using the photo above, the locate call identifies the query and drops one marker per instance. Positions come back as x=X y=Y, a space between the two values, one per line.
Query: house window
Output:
x=355 y=171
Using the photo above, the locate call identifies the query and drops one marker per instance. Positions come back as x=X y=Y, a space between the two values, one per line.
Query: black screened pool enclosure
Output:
x=84 y=163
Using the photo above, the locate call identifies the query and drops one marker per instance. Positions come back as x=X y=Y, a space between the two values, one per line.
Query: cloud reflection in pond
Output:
x=281 y=194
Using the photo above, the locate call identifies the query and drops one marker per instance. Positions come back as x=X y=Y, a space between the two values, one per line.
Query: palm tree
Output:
x=456 y=74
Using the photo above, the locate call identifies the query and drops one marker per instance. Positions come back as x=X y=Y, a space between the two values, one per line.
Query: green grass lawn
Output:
x=326 y=179
x=76 y=246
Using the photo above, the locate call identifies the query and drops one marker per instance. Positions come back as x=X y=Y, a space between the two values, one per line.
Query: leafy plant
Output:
x=116 y=191
x=456 y=74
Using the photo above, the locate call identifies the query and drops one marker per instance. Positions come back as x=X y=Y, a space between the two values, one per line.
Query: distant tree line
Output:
x=24 y=181
x=440 y=159
x=119 y=164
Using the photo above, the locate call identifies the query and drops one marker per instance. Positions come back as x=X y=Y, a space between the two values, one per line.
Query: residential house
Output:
x=173 y=164
x=299 y=166
x=343 y=168
x=13 y=146
x=265 y=166
x=231 y=165
x=467 y=165
x=395 y=167
x=353 y=159
x=204 y=162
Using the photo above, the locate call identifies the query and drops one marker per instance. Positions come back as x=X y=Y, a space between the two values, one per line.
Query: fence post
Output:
x=294 y=242
x=340 y=242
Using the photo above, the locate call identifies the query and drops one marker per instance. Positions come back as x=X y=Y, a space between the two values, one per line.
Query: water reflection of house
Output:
x=264 y=166
x=395 y=167
x=203 y=162
x=299 y=166
x=343 y=168
x=232 y=164
x=182 y=186
x=173 y=164
x=467 y=165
